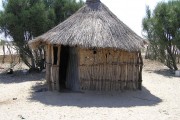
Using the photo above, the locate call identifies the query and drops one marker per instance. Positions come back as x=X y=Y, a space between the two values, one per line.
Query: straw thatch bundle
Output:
x=94 y=25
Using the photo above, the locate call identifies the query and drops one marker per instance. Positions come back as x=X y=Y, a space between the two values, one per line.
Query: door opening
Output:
x=64 y=59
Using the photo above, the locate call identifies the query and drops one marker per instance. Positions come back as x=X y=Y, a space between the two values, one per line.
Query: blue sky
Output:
x=131 y=12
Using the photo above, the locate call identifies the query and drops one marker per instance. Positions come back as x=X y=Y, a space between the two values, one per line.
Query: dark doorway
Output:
x=64 y=59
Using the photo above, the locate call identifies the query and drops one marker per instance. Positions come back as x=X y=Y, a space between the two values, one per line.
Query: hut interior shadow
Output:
x=64 y=60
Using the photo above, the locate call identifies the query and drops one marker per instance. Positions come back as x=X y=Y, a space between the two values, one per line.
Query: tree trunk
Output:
x=3 y=54
x=172 y=58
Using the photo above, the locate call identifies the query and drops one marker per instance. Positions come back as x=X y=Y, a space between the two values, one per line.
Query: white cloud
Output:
x=130 y=12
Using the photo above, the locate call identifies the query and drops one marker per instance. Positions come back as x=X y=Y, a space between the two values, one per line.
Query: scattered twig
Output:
x=20 y=116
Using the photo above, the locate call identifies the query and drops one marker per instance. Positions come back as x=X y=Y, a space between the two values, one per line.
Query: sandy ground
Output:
x=21 y=98
x=12 y=48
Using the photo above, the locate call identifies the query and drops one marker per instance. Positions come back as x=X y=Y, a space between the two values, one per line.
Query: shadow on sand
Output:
x=19 y=77
x=165 y=72
x=94 y=98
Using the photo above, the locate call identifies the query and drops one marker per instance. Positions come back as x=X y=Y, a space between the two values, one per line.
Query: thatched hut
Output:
x=92 y=50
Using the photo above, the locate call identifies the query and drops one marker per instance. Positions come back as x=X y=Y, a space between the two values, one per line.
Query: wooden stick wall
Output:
x=52 y=70
x=109 y=70
x=99 y=69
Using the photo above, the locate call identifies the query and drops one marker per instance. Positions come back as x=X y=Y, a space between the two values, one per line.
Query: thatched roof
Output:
x=93 y=25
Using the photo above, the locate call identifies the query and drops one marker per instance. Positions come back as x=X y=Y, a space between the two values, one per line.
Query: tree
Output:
x=162 y=28
x=65 y=8
x=25 y=19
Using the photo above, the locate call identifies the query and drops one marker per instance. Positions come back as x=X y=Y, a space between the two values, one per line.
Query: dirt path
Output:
x=21 y=97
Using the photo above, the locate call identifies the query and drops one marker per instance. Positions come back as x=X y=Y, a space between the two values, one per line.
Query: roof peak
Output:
x=92 y=1
x=93 y=26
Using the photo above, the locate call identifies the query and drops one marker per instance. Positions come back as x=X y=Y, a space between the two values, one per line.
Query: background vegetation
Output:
x=25 y=19
x=162 y=29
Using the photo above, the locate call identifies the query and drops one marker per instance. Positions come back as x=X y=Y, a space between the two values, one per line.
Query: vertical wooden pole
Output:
x=55 y=68
x=52 y=69
x=140 y=63
x=48 y=66
x=58 y=64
